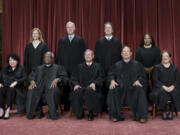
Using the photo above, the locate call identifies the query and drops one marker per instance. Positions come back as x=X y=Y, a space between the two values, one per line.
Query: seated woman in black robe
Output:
x=44 y=88
x=86 y=80
x=11 y=85
x=166 y=87
x=127 y=87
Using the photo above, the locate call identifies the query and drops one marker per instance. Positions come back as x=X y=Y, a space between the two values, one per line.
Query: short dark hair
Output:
x=13 y=56
x=109 y=24
x=127 y=47
x=165 y=51
x=142 y=40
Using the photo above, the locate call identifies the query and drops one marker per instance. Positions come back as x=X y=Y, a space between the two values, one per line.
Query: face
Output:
x=147 y=39
x=108 y=30
x=47 y=58
x=70 y=28
x=12 y=62
x=35 y=35
x=88 y=56
x=165 y=58
x=126 y=53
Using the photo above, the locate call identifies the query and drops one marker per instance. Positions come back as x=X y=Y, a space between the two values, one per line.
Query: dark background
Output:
x=131 y=19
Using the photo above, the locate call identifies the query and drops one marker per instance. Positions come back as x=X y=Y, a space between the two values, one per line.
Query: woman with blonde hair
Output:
x=35 y=50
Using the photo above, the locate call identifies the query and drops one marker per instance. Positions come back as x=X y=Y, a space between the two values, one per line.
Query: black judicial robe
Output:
x=43 y=76
x=108 y=52
x=8 y=76
x=165 y=76
x=125 y=74
x=70 y=54
x=33 y=57
x=84 y=75
x=148 y=57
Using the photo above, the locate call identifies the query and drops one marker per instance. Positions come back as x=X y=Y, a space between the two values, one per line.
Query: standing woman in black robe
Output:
x=11 y=80
x=148 y=54
x=34 y=50
x=166 y=87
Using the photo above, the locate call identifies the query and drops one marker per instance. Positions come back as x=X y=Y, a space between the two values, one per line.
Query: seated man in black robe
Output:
x=127 y=87
x=43 y=88
x=87 y=79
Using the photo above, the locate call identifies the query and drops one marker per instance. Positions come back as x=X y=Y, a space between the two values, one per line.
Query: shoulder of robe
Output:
x=101 y=39
x=158 y=66
x=21 y=67
x=43 y=43
x=138 y=49
x=174 y=67
x=118 y=63
x=28 y=45
x=63 y=38
x=116 y=39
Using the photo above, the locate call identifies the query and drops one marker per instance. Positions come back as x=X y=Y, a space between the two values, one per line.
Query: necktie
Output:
x=70 y=38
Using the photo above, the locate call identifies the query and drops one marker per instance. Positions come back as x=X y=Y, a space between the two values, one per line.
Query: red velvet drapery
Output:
x=131 y=19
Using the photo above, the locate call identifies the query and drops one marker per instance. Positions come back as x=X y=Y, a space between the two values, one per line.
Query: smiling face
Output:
x=147 y=39
x=126 y=53
x=108 y=30
x=35 y=35
x=12 y=62
x=88 y=56
x=70 y=28
x=166 y=58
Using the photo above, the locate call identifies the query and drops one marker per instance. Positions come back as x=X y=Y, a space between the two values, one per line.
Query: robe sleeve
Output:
x=23 y=76
x=142 y=76
x=111 y=75
x=120 y=48
x=75 y=76
x=45 y=49
x=1 y=77
x=158 y=56
x=26 y=56
x=33 y=75
x=155 y=77
x=100 y=77
x=138 y=55
x=82 y=49
x=62 y=76
x=96 y=52
x=58 y=53
x=177 y=79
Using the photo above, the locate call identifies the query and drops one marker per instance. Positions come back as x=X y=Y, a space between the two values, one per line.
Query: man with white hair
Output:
x=43 y=88
x=87 y=80
x=69 y=54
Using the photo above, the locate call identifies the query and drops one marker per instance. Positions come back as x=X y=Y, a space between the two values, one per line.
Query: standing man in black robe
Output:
x=127 y=86
x=43 y=88
x=70 y=53
x=107 y=51
x=87 y=80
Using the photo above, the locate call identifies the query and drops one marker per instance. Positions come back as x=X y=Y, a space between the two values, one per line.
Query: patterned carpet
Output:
x=69 y=125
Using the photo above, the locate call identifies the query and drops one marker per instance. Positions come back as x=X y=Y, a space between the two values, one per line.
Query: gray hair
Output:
x=70 y=22
x=89 y=50
x=51 y=53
